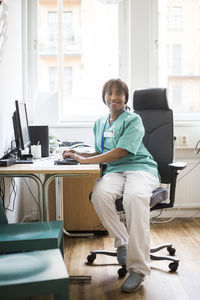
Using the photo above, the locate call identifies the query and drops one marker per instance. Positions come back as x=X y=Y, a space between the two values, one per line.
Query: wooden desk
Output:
x=51 y=171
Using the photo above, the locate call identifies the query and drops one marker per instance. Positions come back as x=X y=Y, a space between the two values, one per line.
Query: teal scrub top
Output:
x=126 y=132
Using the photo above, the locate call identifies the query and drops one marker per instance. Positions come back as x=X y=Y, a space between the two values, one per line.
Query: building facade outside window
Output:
x=90 y=42
x=176 y=18
x=179 y=38
x=82 y=39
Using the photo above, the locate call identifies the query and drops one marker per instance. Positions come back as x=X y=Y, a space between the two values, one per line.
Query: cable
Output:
x=169 y=220
x=196 y=150
x=2 y=190
x=14 y=190
x=155 y=217
x=188 y=172
x=195 y=222
x=31 y=192
x=196 y=213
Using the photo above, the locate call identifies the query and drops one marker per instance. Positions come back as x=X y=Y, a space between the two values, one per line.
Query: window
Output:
x=78 y=52
x=176 y=88
x=176 y=59
x=146 y=43
x=52 y=31
x=67 y=29
x=176 y=18
x=180 y=73
x=68 y=81
x=53 y=79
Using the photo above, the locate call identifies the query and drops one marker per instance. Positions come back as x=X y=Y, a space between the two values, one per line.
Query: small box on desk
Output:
x=7 y=162
x=40 y=134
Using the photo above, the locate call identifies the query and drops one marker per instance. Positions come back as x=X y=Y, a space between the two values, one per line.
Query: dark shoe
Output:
x=121 y=255
x=133 y=282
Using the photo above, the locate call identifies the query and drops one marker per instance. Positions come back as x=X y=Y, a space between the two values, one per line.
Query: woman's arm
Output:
x=83 y=154
x=97 y=158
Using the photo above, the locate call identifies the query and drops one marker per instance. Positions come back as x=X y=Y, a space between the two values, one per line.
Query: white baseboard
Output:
x=181 y=212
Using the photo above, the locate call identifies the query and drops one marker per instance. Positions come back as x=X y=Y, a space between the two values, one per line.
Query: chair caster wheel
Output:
x=91 y=258
x=171 y=250
x=122 y=272
x=173 y=266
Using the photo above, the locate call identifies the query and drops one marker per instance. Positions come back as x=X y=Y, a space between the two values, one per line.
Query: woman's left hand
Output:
x=74 y=155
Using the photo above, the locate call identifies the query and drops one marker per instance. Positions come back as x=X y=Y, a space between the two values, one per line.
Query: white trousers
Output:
x=136 y=188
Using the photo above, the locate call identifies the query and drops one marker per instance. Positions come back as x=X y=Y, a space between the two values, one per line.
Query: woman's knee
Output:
x=135 y=199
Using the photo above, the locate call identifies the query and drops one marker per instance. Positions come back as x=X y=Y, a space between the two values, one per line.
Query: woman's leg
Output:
x=106 y=190
x=137 y=193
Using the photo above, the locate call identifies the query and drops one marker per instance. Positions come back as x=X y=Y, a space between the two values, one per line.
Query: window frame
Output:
x=138 y=66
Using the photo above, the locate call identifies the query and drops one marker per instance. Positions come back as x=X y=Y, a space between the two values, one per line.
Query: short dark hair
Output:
x=120 y=85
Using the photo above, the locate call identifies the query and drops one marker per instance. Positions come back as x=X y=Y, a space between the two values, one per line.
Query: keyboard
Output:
x=69 y=144
x=66 y=161
x=24 y=161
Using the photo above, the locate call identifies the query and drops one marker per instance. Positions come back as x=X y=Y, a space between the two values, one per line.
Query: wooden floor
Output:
x=160 y=285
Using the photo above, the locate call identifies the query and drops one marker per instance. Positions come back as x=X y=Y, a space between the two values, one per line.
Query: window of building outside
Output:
x=78 y=52
x=178 y=55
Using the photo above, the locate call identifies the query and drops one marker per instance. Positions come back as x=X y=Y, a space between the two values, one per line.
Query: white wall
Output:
x=11 y=89
x=10 y=74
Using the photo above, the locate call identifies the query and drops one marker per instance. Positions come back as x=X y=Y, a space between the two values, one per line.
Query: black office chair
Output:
x=152 y=106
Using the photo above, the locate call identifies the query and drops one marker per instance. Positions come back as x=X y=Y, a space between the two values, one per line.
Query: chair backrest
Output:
x=3 y=217
x=152 y=106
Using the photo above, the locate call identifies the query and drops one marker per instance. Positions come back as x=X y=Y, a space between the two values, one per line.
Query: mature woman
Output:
x=131 y=172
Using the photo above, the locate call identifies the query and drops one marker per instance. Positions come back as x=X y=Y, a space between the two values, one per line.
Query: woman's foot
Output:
x=121 y=255
x=133 y=282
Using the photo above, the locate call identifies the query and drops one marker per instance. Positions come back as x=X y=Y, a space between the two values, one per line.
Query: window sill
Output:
x=90 y=124
x=187 y=123
x=77 y=124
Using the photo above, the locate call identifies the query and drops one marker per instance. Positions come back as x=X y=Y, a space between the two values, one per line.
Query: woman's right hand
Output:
x=65 y=153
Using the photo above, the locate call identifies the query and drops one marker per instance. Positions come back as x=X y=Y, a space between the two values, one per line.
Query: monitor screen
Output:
x=22 y=125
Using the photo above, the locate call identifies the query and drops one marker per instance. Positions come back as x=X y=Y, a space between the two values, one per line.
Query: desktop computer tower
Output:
x=40 y=134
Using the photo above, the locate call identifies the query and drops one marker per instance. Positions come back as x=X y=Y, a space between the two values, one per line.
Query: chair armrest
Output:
x=174 y=173
x=178 y=165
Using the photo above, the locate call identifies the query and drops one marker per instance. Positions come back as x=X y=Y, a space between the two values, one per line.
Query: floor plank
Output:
x=160 y=285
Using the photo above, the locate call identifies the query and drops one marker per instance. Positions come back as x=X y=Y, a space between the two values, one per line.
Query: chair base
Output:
x=173 y=266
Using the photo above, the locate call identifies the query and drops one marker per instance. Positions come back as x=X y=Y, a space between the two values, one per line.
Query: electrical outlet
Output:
x=183 y=140
x=175 y=141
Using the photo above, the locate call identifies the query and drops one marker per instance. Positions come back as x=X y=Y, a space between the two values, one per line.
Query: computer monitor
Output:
x=21 y=128
x=21 y=132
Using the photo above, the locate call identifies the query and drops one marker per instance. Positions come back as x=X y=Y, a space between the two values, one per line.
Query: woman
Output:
x=131 y=172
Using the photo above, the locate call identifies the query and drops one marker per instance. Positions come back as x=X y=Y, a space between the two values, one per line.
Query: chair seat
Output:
x=33 y=273
x=159 y=195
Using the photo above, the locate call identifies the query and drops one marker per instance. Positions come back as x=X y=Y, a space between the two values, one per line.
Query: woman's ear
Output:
x=127 y=107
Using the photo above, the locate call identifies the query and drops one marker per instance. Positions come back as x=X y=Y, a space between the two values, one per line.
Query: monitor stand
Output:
x=24 y=158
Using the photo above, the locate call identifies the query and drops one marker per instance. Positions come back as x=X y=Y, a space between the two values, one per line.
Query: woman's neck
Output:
x=113 y=116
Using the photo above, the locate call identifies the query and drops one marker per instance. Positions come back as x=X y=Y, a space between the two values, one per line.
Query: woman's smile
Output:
x=115 y=101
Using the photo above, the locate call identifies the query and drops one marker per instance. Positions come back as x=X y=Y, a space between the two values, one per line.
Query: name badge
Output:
x=108 y=134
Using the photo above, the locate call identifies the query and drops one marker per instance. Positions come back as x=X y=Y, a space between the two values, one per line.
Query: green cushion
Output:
x=33 y=273
x=31 y=236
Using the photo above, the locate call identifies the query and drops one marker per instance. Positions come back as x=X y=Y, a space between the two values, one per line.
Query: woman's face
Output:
x=115 y=100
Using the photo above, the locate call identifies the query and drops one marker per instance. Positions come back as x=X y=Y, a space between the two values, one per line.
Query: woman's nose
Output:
x=113 y=96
